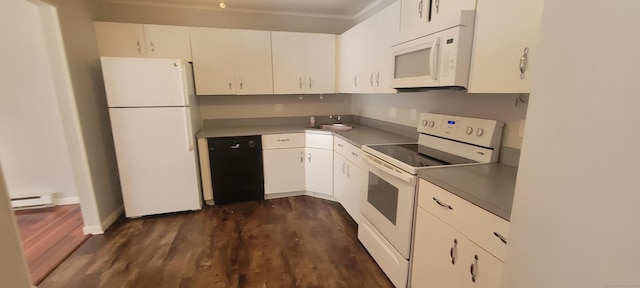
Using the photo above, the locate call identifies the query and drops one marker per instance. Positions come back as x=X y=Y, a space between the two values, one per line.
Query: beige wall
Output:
x=490 y=106
x=102 y=199
x=121 y=12
x=258 y=106
x=13 y=268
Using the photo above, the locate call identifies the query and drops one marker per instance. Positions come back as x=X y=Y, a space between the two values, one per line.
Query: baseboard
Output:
x=299 y=193
x=97 y=230
x=66 y=201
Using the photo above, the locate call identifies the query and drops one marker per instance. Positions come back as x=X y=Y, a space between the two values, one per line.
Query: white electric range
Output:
x=389 y=182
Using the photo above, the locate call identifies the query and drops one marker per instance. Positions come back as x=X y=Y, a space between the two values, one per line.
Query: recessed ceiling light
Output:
x=222 y=5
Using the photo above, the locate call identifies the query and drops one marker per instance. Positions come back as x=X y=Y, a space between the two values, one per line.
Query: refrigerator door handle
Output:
x=188 y=129
x=184 y=82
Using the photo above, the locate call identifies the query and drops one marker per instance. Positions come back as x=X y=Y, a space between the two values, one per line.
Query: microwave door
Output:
x=415 y=63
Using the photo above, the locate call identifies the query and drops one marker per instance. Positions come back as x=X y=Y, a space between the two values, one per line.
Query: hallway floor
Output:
x=48 y=236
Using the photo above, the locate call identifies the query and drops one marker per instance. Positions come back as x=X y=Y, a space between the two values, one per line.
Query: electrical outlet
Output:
x=278 y=108
x=393 y=112
x=413 y=114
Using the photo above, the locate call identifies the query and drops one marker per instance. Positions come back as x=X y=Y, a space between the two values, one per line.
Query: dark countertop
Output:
x=358 y=136
x=488 y=186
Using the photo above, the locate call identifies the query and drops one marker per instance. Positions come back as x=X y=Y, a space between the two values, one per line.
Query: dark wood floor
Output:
x=288 y=242
x=48 y=236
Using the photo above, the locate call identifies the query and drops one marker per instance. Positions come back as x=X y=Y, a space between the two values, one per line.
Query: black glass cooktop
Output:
x=416 y=155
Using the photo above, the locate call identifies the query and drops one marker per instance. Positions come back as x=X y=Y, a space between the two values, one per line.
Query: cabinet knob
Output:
x=139 y=47
x=474 y=268
x=153 y=47
x=454 y=251
x=420 y=8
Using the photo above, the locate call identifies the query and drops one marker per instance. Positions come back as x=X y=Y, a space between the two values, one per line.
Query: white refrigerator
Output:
x=154 y=118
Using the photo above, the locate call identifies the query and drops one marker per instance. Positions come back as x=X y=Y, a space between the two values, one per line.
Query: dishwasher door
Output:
x=236 y=169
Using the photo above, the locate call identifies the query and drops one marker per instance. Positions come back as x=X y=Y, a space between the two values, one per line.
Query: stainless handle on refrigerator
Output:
x=187 y=122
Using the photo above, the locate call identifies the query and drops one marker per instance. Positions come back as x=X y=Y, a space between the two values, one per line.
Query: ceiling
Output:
x=330 y=8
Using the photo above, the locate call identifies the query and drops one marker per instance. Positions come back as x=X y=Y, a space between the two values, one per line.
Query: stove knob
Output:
x=469 y=130
x=431 y=123
x=424 y=122
x=480 y=132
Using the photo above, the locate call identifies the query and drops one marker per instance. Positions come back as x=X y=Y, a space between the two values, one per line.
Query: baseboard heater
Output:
x=32 y=201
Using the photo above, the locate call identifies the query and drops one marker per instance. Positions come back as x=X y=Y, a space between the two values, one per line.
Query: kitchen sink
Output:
x=334 y=127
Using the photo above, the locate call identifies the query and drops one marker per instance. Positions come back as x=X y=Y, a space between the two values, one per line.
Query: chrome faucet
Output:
x=337 y=118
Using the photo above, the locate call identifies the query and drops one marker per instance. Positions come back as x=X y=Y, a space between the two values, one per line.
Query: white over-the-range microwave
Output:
x=439 y=59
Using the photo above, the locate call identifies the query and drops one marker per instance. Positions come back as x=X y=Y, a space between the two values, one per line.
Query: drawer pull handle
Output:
x=502 y=238
x=445 y=205
x=474 y=268
x=354 y=154
x=454 y=251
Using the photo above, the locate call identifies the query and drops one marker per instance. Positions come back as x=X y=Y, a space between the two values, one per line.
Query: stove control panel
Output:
x=482 y=132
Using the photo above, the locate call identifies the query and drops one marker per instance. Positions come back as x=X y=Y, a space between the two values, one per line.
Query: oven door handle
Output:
x=391 y=170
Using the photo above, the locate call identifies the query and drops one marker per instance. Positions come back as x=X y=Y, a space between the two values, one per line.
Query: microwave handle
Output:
x=435 y=51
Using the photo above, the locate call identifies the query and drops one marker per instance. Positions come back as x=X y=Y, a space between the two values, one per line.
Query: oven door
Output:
x=387 y=200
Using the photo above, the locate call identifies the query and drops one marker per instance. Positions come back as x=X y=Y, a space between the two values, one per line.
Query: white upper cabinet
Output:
x=416 y=14
x=504 y=44
x=441 y=8
x=365 y=53
x=142 y=40
x=229 y=62
x=303 y=63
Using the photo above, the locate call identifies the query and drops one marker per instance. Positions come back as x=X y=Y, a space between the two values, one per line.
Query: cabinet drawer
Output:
x=278 y=141
x=479 y=225
x=352 y=153
x=322 y=141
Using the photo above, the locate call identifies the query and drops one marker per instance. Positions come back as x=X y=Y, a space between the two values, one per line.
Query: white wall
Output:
x=13 y=267
x=576 y=211
x=490 y=106
x=101 y=199
x=222 y=107
x=33 y=148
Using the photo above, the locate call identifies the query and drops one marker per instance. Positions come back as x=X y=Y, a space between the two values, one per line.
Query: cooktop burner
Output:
x=416 y=155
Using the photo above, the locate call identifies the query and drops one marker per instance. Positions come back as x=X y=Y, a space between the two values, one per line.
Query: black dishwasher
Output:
x=236 y=169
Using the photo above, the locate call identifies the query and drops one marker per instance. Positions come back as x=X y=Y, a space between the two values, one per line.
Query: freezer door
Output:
x=145 y=82
x=156 y=160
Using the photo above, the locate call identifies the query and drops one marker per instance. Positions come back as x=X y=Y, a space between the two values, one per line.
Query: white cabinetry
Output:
x=503 y=31
x=229 y=62
x=319 y=166
x=416 y=14
x=456 y=244
x=303 y=63
x=346 y=177
x=142 y=40
x=284 y=165
x=365 y=53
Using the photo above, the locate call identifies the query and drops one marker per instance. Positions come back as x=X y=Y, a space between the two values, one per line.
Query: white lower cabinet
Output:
x=346 y=185
x=283 y=170
x=442 y=257
x=452 y=238
x=319 y=171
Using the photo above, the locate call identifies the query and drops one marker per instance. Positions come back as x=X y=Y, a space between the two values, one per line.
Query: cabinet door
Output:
x=164 y=41
x=213 y=61
x=352 y=192
x=347 y=78
x=388 y=25
x=442 y=8
x=120 y=39
x=436 y=253
x=340 y=179
x=319 y=170
x=284 y=170
x=368 y=39
x=495 y=63
x=478 y=268
x=321 y=63
x=255 y=69
x=289 y=62
x=414 y=15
